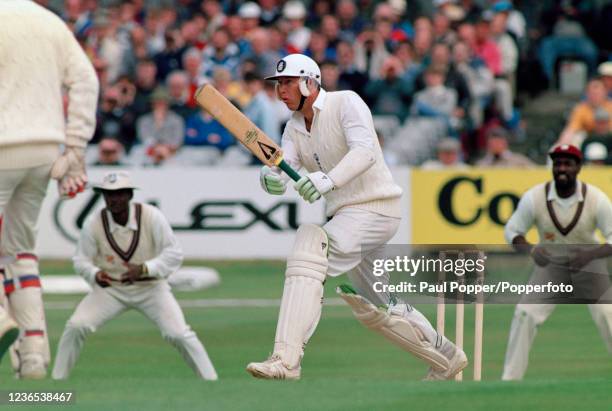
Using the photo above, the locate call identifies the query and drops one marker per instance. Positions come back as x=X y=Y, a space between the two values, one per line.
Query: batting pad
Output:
x=26 y=307
x=394 y=328
x=302 y=295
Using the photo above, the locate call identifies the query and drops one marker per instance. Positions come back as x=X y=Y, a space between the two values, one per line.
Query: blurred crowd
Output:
x=441 y=77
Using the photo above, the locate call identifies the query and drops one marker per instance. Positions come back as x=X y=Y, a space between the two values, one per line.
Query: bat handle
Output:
x=290 y=171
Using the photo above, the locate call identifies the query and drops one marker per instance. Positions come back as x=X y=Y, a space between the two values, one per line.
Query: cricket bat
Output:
x=243 y=129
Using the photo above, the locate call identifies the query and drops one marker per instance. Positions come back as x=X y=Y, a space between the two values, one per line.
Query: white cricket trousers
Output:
x=157 y=303
x=357 y=238
x=22 y=192
x=527 y=318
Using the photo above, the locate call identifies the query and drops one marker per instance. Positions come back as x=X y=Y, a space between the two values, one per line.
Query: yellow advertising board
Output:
x=471 y=206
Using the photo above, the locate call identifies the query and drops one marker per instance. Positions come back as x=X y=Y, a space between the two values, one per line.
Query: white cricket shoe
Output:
x=32 y=367
x=9 y=332
x=457 y=364
x=273 y=369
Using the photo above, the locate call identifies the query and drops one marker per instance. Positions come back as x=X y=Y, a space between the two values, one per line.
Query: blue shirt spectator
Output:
x=201 y=129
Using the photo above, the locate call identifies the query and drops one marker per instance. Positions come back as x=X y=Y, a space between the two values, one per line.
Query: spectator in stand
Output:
x=270 y=12
x=349 y=20
x=370 y=53
x=453 y=79
x=404 y=51
x=222 y=80
x=442 y=30
x=481 y=44
x=318 y=48
x=605 y=72
x=448 y=155
x=437 y=100
x=582 y=120
x=499 y=155
x=161 y=131
x=249 y=13
x=138 y=50
x=106 y=46
x=318 y=10
x=423 y=38
x=202 y=129
x=298 y=37
x=178 y=90
x=171 y=57
x=192 y=63
x=350 y=77
x=115 y=119
x=471 y=9
x=234 y=26
x=506 y=45
x=602 y=130
x=479 y=79
x=330 y=28
x=564 y=26
x=390 y=94
x=278 y=40
x=214 y=16
x=146 y=72
x=330 y=75
x=260 y=53
x=191 y=35
x=260 y=110
x=221 y=52
x=110 y=152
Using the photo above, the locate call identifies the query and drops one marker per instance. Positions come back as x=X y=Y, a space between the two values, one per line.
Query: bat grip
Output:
x=289 y=171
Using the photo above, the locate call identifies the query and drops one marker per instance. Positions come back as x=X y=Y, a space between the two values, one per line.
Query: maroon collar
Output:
x=125 y=255
x=551 y=211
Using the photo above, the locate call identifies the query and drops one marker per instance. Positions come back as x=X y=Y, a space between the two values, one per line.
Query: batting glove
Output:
x=314 y=185
x=69 y=171
x=271 y=181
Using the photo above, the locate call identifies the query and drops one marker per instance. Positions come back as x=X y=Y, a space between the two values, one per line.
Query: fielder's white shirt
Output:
x=168 y=251
x=525 y=215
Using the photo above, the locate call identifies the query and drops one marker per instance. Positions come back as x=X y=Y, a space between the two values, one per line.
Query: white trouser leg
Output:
x=22 y=192
x=602 y=316
x=94 y=310
x=161 y=307
x=527 y=317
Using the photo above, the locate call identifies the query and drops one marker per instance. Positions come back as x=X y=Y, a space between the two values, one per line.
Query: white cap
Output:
x=605 y=69
x=294 y=10
x=249 y=10
x=596 y=152
x=115 y=181
x=297 y=65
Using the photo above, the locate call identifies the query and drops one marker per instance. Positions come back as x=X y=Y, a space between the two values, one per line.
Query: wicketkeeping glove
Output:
x=271 y=181
x=312 y=186
x=69 y=171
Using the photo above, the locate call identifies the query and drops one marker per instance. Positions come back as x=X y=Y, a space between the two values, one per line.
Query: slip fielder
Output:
x=39 y=57
x=331 y=135
x=126 y=251
x=566 y=213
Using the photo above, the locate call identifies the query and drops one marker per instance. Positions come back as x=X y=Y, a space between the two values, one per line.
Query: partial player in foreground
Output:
x=566 y=213
x=126 y=252
x=39 y=56
x=331 y=135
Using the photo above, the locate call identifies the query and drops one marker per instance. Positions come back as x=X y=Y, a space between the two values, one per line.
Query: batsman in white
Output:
x=126 y=251
x=331 y=135
x=567 y=213
x=39 y=58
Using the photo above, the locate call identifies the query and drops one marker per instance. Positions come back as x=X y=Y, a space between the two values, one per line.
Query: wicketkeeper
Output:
x=331 y=135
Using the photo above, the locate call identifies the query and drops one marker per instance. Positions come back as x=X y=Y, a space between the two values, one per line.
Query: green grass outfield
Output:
x=127 y=366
